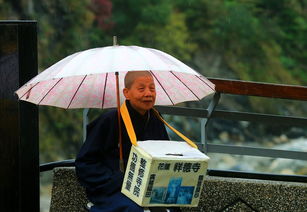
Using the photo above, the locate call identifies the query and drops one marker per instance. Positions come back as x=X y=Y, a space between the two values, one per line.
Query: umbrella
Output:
x=86 y=79
x=93 y=78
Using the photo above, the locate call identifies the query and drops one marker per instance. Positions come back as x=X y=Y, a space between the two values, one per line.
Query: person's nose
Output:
x=148 y=92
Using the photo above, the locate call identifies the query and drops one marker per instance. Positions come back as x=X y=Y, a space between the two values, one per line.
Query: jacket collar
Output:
x=135 y=114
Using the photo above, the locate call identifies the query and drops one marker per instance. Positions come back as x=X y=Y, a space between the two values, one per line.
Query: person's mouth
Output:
x=148 y=101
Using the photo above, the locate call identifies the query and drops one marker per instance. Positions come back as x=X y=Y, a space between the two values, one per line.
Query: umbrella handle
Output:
x=120 y=143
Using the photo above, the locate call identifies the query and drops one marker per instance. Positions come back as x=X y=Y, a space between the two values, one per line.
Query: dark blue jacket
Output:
x=97 y=164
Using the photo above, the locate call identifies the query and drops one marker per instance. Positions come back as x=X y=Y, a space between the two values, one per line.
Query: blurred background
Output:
x=253 y=40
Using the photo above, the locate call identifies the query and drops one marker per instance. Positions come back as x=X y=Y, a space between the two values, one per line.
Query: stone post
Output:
x=19 y=153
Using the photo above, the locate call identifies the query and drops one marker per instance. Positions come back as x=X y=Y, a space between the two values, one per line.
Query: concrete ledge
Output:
x=67 y=194
x=235 y=194
x=219 y=194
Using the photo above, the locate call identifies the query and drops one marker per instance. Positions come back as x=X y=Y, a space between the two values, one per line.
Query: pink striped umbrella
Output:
x=86 y=79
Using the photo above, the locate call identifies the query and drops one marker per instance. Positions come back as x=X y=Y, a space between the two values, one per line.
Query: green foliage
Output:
x=127 y=15
x=6 y=11
x=174 y=38
x=256 y=40
x=63 y=28
x=60 y=133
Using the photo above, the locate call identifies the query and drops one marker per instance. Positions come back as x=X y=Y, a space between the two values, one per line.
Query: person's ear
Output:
x=126 y=93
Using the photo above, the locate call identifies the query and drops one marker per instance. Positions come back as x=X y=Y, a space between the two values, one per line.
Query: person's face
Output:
x=141 y=94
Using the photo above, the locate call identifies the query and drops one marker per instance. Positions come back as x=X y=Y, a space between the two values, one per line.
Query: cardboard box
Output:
x=165 y=173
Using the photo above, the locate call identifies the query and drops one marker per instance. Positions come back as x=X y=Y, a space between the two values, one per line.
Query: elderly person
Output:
x=97 y=164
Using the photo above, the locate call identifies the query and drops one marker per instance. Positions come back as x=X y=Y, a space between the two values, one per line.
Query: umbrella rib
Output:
x=28 y=91
x=49 y=91
x=104 y=90
x=205 y=82
x=76 y=91
x=162 y=87
x=185 y=85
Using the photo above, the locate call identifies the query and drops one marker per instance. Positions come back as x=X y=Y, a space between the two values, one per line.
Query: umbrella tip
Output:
x=114 y=40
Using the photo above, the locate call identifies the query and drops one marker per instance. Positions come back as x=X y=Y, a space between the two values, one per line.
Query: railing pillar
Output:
x=204 y=121
x=19 y=154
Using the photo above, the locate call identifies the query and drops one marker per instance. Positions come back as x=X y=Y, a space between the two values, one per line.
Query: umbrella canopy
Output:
x=86 y=79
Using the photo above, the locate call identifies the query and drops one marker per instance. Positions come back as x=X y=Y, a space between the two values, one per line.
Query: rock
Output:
x=224 y=137
x=263 y=164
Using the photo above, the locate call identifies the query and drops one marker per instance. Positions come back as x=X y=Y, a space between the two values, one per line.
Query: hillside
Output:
x=254 y=40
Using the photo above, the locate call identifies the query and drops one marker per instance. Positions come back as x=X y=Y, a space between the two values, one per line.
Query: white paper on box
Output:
x=165 y=173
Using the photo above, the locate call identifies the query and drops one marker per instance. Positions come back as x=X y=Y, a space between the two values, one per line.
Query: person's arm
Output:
x=92 y=171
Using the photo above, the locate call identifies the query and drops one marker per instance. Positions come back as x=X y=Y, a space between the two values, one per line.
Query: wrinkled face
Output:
x=141 y=94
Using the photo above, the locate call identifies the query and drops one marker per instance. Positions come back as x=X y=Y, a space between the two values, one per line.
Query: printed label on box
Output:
x=170 y=181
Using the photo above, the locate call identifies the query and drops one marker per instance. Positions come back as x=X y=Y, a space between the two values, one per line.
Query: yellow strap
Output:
x=127 y=121
x=191 y=143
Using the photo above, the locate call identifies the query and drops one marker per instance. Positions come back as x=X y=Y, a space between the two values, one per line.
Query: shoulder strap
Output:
x=127 y=121
x=191 y=143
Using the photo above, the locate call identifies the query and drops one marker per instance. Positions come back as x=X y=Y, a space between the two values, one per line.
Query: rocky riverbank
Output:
x=264 y=164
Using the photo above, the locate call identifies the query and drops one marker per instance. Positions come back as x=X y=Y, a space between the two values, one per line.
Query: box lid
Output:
x=171 y=149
